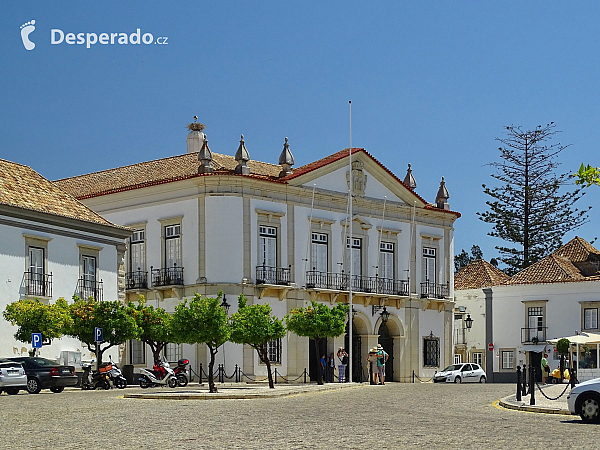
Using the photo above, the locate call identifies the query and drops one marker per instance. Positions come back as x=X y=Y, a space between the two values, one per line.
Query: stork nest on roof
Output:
x=196 y=126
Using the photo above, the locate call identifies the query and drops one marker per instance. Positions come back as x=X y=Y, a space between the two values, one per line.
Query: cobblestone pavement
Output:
x=393 y=416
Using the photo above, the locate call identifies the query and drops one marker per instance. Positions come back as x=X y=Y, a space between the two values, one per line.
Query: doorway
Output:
x=313 y=363
x=387 y=342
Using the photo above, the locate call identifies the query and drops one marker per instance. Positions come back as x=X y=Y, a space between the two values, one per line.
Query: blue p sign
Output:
x=36 y=340
x=98 y=334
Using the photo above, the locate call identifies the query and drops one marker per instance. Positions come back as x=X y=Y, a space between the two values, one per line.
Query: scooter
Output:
x=116 y=376
x=181 y=372
x=163 y=377
x=94 y=379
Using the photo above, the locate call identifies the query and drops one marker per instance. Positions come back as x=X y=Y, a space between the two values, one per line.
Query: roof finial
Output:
x=409 y=179
x=286 y=160
x=205 y=158
x=242 y=156
x=441 y=200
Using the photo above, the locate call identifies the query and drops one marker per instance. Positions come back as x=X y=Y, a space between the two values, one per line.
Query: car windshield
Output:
x=452 y=367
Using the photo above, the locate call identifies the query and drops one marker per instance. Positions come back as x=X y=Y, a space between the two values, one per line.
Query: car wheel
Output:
x=457 y=380
x=57 y=389
x=482 y=379
x=12 y=391
x=33 y=386
x=589 y=408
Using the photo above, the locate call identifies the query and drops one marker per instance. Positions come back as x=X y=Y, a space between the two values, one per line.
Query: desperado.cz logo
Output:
x=58 y=36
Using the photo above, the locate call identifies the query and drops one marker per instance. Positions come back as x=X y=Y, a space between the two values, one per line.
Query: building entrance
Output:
x=387 y=342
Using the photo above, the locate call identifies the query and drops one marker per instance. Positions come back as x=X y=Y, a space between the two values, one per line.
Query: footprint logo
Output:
x=26 y=30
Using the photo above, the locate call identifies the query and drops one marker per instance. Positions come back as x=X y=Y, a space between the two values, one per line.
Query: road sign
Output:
x=36 y=340
x=491 y=347
x=98 y=334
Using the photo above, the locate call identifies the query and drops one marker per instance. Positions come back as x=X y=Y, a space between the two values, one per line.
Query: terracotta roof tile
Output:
x=479 y=274
x=23 y=187
x=552 y=268
x=577 y=250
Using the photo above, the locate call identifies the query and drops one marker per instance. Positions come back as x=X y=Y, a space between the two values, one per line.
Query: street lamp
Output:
x=469 y=322
x=225 y=305
x=385 y=315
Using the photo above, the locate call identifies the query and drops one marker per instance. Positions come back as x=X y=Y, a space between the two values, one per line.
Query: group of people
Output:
x=376 y=361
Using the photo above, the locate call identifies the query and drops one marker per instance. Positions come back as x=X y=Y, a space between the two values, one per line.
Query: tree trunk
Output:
x=319 y=368
x=264 y=357
x=211 y=378
x=156 y=349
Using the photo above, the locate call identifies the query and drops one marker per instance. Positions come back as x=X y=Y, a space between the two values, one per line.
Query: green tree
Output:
x=113 y=317
x=464 y=259
x=153 y=324
x=531 y=209
x=562 y=347
x=587 y=175
x=317 y=322
x=202 y=320
x=33 y=316
x=254 y=325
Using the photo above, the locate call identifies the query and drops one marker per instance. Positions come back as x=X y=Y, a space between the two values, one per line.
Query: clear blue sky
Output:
x=432 y=84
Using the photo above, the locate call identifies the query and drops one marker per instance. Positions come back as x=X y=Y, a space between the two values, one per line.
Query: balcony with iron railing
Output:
x=38 y=284
x=533 y=335
x=434 y=290
x=136 y=280
x=87 y=288
x=167 y=276
x=342 y=282
x=273 y=275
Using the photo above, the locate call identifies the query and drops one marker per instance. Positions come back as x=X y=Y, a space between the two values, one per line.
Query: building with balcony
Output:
x=206 y=222
x=52 y=246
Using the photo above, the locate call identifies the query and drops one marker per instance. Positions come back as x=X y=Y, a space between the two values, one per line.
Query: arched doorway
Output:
x=387 y=342
x=313 y=360
x=354 y=352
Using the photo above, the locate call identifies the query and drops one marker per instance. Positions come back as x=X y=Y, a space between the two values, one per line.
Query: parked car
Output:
x=12 y=377
x=43 y=373
x=461 y=373
x=584 y=399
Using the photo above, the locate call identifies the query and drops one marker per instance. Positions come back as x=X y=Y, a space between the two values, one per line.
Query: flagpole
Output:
x=350 y=341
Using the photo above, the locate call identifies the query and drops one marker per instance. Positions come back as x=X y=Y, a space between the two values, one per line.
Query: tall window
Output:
x=457 y=358
x=508 y=359
x=268 y=246
x=173 y=352
x=590 y=318
x=138 y=352
x=536 y=321
x=477 y=358
x=89 y=271
x=318 y=255
x=36 y=269
x=431 y=352
x=386 y=260
x=274 y=351
x=137 y=250
x=173 y=246
x=354 y=254
x=428 y=272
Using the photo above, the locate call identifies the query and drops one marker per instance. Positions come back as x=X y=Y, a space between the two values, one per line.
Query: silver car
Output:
x=12 y=377
x=461 y=373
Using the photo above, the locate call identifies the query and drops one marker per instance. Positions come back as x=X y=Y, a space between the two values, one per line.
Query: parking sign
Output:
x=36 y=340
x=98 y=334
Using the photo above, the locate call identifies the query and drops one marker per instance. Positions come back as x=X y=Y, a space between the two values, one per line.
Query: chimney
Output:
x=286 y=160
x=441 y=200
x=205 y=158
x=409 y=180
x=196 y=137
x=242 y=156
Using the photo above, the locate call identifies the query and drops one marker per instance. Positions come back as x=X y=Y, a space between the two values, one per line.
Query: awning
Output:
x=578 y=339
x=535 y=348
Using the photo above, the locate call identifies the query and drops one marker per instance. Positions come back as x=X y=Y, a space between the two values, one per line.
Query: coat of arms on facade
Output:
x=359 y=178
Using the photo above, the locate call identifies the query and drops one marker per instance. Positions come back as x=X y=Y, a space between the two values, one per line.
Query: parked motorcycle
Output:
x=181 y=372
x=93 y=379
x=161 y=375
x=116 y=376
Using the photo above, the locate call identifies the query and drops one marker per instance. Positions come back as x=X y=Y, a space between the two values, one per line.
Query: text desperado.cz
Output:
x=89 y=39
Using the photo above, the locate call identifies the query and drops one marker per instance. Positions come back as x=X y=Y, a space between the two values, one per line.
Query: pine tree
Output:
x=532 y=209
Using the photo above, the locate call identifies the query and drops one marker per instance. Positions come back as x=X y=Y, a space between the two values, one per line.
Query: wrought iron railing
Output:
x=533 y=335
x=341 y=282
x=90 y=288
x=273 y=275
x=434 y=290
x=136 y=280
x=38 y=284
x=167 y=276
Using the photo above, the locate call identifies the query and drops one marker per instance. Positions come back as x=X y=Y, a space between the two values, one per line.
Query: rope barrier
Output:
x=542 y=392
x=426 y=381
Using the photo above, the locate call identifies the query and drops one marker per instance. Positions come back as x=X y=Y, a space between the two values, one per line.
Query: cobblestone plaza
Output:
x=392 y=416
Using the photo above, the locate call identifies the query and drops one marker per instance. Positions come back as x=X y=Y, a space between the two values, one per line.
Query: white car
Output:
x=584 y=399
x=12 y=377
x=461 y=373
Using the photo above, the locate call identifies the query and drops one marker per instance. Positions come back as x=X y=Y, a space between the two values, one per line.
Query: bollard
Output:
x=532 y=384
x=573 y=376
x=200 y=374
x=524 y=373
x=237 y=379
x=275 y=375
x=518 y=383
x=304 y=376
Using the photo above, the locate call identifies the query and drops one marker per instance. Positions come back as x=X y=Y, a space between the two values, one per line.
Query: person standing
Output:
x=382 y=358
x=545 y=368
x=372 y=361
x=343 y=358
x=323 y=364
x=330 y=367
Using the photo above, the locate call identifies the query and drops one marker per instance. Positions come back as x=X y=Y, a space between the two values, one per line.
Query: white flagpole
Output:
x=350 y=341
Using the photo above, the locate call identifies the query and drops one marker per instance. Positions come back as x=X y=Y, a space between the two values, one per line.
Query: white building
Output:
x=207 y=222
x=555 y=297
x=52 y=246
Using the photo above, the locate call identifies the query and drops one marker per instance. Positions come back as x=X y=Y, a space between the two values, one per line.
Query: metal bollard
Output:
x=573 y=376
x=519 y=383
x=275 y=375
x=532 y=384
x=237 y=379
x=304 y=376
x=524 y=373
x=200 y=374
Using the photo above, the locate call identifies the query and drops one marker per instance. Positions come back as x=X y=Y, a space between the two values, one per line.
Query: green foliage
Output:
x=464 y=259
x=562 y=346
x=587 y=175
x=33 y=316
x=318 y=321
x=531 y=210
x=153 y=325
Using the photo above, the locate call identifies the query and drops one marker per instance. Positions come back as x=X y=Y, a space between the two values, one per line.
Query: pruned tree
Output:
x=254 y=325
x=318 y=321
x=587 y=175
x=154 y=326
x=202 y=320
x=532 y=209
x=34 y=316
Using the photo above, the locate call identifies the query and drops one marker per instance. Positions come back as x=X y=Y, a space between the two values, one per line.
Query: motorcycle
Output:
x=161 y=375
x=116 y=376
x=181 y=372
x=94 y=379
